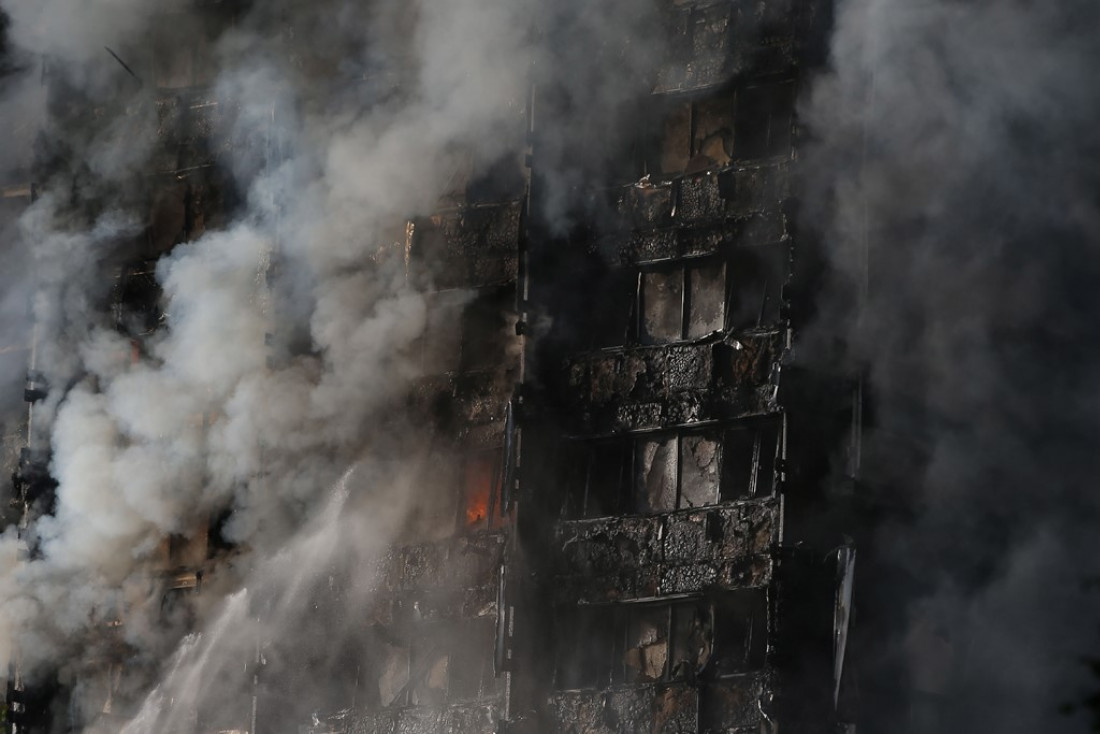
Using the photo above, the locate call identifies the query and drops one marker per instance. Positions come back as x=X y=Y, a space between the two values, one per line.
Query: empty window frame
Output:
x=609 y=311
x=471 y=675
x=599 y=646
x=606 y=152
x=488 y=326
x=392 y=670
x=596 y=478
x=679 y=303
x=756 y=279
x=642 y=632
x=692 y=639
x=740 y=641
x=749 y=455
x=671 y=151
x=691 y=136
x=585 y=645
x=136 y=300
x=430 y=661
x=466 y=331
x=721 y=127
x=685 y=301
x=712 y=131
x=439 y=349
x=663 y=472
x=764 y=119
x=434 y=664
x=676 y=472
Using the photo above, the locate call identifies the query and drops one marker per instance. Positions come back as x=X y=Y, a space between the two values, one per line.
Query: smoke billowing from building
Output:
x=284 y=342
x=281 y=420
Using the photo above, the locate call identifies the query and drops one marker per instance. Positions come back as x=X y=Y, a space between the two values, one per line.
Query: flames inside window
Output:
x=481 y=507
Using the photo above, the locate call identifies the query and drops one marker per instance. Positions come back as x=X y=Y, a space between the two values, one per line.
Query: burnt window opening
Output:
x=749 y=455
x=692 y=635
x=432 y=664
x=740 y=631
x=705 y=306
x=669 y=149
x=712 y=132
x=428 y=670
x=656 y=474
x=611 y=312
x=645 y=654
x=678 y=136
x=187 y=551
x=700 y=459
x=177 y=606
x=604 y=150
x=631 y=644
x=688 y=301
x=481 y=507
x=662 y=299
x=756 y=281
x=136 y=300
x=763 y=121
x=600 y=646
x=691 y=136
x=681 y=303
x=676 y=472
x=392 y=672
x=439 y=348
x=596 y=477
x=465 y=331
x=664 y=472
x=488 y=323
x=471 y=675
x=585 y=642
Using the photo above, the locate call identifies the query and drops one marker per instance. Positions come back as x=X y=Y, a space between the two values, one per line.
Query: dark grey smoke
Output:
x=959 y=141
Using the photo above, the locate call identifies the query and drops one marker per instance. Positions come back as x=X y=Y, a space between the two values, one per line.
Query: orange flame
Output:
x=478 y=507
x=480 y=481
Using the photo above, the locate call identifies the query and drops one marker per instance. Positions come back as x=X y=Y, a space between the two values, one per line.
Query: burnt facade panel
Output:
x=620 y=558
x=650 y=387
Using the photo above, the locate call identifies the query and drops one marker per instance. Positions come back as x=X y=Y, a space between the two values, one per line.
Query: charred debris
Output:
x=638 y=537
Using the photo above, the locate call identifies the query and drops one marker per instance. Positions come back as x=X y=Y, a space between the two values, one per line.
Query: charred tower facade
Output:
x=624 y=525
x=674 y=457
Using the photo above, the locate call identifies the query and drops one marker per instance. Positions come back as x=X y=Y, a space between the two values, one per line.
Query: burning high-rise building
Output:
x=607 y=519
x=479 y=367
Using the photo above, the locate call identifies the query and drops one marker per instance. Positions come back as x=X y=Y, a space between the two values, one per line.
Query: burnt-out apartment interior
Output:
x=645 y=522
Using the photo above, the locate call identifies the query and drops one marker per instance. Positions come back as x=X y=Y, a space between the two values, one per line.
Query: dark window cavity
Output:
x=663 y=472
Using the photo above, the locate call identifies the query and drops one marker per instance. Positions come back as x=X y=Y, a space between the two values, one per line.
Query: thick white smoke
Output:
x=340 y=120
